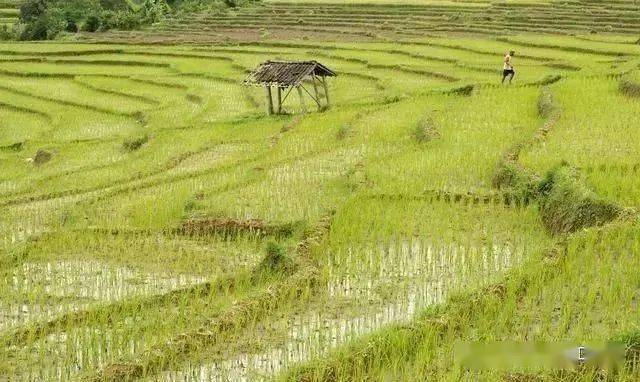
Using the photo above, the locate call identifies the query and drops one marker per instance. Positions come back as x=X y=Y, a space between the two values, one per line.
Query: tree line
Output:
x=48 y=19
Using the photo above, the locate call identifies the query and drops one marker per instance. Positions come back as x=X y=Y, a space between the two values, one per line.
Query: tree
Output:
x=45 y=19
x=31 y=10
x=154 y=10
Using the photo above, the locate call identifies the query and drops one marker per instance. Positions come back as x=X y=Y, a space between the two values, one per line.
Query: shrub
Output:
x=343 y=132
x=275 y=261
x=136 y=143
x=45 y=19
x=140 y=118
x=40 y=29
x=122 y=5
x=546 y=103
x=425 y=130
x=92 y=24
x=509 y=174
x=71 y=26
x=154 y=10
x=31 y=10
x=629 y=88
x=194 y=98
x=465 y=91
x=6 y=33
x=119 y=20
x=42 y=157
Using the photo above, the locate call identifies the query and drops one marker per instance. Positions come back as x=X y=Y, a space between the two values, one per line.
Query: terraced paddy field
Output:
x=384 y=19
x=9 y=13
x=157 y=225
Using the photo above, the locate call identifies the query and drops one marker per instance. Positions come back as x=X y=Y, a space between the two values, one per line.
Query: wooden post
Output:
x=315 y=89
x=326 y=90
x=279 y=100
x=269 y=100
x=304 y=106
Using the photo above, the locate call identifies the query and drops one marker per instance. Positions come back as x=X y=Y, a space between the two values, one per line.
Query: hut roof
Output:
x=286 y=73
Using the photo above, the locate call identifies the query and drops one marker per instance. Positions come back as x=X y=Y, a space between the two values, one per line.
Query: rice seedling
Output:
x=584 y=126
x=157 y=226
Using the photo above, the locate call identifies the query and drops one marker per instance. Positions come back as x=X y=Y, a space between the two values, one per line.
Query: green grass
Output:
x=607 y=163
x=398 y=243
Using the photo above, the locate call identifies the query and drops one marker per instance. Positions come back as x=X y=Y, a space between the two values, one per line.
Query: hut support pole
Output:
x=326 y=90
x=269 y=100
x=279 y=100
x=315 y=89
x=304 y=106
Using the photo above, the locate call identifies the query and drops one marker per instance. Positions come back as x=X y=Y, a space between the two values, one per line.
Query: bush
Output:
x=629 y=88
x=154 y=10
x=343 y=132
x=31 y=10
x=119 y=20
x=509 y=174
x=425 y=130
x=92 y=24
x=546 y=104
x=134 y=144
x=42 y=157
x=122 y=5
x=6 y=33
x=71 y=27
x=464 y=91
x=45 y=19
x=43 y=28
x=276 y=262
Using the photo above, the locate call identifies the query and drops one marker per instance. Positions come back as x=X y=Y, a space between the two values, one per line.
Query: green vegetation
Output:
x=47 y=19
x=567 y=205
x=157 y=225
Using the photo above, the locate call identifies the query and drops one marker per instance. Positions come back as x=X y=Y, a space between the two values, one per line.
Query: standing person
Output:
x=507 y=68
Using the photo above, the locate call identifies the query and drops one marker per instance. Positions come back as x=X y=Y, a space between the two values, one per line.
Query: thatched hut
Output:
x=288 y=75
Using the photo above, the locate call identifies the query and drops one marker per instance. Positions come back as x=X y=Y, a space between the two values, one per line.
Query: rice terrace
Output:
x=319 y=190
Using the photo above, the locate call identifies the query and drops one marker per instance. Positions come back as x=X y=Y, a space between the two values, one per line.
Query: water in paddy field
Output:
x=40 y=291
x=419 y=274
x=86 y=347
x=32 y=219
x=19 y=232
